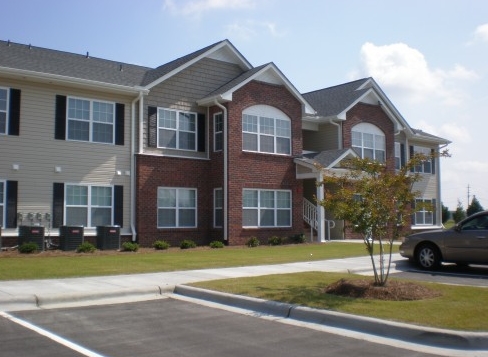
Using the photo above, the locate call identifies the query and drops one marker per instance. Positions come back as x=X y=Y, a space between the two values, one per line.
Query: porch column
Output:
x=320 y=212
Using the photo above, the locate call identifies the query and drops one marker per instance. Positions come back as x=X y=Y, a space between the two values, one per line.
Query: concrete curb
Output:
x=408 y=333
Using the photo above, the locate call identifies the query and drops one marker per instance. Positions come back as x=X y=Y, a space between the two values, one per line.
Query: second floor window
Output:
x=3 y=110
x=88 y=205
x=218 y=130
x=427 y=166
x=369 y=142
x=90 y=120
x=177 y=130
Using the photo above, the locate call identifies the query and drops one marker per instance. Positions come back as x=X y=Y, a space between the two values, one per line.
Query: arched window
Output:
x=266 y=129
x=369 y=142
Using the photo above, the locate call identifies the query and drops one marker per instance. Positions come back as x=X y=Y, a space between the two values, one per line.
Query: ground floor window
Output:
x=88 y=205
x=266 y=208
x=218 y=208
x=177 y=207
x=2 y=203
x=425 y=213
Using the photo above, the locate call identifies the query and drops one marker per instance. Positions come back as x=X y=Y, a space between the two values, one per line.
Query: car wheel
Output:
x=427 y=257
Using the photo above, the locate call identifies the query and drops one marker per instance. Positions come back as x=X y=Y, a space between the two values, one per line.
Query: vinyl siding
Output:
x=323 y=139
x=37 y=152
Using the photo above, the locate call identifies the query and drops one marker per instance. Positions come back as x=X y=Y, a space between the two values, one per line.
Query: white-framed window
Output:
x=2 y=202
x=266 y=129
x=88 y=205
x=90 y=120
x=177 y=207
x=177 y=129
x=425 y=215
x=369 y=142
x=218 y=208
x=4 y=100
x=266 y=208
x=426 y=166
x=398 y=156
x=218 y=132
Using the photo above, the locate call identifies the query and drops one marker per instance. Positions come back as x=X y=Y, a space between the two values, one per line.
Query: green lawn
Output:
x=57 y=264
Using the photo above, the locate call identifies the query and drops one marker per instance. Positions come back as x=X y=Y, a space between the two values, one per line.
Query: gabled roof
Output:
x=327 y=159
x=265 y=73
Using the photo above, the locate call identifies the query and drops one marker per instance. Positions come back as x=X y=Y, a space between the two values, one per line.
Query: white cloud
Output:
x=481 y=32
x=456 y=133
x=403 y=69
x=198 y=7
x=247 y=30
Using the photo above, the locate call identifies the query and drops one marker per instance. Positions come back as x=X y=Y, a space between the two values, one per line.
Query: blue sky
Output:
x=429 y=57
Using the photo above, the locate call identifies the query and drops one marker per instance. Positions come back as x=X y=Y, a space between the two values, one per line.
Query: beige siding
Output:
x=37 y=152
x=326 y=138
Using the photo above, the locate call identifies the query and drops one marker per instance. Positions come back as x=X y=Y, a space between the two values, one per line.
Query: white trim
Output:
x=7 y=110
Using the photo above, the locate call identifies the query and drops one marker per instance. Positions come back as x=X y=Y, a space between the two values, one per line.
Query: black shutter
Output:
x=433 y=161
x=413 y=212
x=14 y=112
x=152 y=127
x=119 y=123
x=412 y=153
x=119 y=205
x=402 y=155
x=201 y=135
x=58 y=205
x=11 y=203
x=60 y=118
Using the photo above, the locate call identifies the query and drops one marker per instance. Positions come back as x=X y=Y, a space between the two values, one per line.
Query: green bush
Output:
x=187 y=244
x=161 y=245
x=274 y=240
x=130 y=247
x=253 y=242
x=28 y=247
x=216 y=244
x=86 y=247
x=297 y=238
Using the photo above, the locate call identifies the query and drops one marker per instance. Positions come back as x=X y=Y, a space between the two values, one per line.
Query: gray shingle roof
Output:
x=324 y=158
x=334 y=100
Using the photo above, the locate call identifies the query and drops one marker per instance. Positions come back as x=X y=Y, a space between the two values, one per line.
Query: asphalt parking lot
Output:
x=171 y=327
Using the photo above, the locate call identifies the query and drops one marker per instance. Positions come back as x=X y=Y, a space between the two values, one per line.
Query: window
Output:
x=177 y=130
x=2 y=203
x=398 y=156
x=3 y=110
x=218 y=208
x=425 y=214
x=427 y=166
x=369 y=142
x=266 y=208
x=177 y=207
x=90 y=120
x=89 y=206
x=218 y=131
x=266 y=129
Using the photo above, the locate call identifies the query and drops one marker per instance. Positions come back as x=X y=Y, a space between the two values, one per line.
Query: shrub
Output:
x=130 y=247
x=160 y=245
x=187 y=244
x=253 y=242
x=274 y=240
x=86 y=247
x=216 y=244
x=297 y=238
x=28 y=247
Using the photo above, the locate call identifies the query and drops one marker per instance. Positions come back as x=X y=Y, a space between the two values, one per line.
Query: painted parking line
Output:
x=62 y=341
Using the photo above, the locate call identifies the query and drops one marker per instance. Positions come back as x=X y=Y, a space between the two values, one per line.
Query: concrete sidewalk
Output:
x=71 y=292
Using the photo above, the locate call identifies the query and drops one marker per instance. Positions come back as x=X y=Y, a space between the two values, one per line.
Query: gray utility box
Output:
x=108 y=237
x=33 y=234
x=70 y=237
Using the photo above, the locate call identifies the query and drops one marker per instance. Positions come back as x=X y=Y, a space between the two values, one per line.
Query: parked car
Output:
x=465 y=243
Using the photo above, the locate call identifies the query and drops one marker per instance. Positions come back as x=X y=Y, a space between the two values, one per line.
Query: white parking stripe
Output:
x=50 y=335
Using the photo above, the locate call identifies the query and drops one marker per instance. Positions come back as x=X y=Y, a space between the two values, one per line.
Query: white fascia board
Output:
x=55 y=78
x=243 y=61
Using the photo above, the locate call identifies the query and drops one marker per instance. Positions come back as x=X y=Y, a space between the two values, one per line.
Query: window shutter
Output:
x=119 y=205
x=119 y=123
x=152 y=127
x=402 y=155
x=201 y=135
x=413 y=212
x=58 y=205
x=14 y=112
x=60 y=118
x=11 y=203
x=433 y=161
x=412 y=153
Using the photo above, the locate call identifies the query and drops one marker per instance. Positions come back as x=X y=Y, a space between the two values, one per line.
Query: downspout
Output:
x=226 y=170
x=132 y=163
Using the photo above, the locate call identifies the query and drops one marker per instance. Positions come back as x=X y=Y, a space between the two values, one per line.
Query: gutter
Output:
x=226 y=170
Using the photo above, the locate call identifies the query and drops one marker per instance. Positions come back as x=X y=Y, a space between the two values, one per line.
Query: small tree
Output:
x=459 y=213
x=446 y=215
x=374 y=201
x=474 y=207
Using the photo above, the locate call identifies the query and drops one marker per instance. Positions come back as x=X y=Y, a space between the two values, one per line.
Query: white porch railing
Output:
x=310 y=214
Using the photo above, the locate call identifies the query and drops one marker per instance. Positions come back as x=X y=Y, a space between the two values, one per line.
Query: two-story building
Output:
x=206 y=147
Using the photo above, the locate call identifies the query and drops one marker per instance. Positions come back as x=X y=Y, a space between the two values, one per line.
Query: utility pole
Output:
x=468 y=197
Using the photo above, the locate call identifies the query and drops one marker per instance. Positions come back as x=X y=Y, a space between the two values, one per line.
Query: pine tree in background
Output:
x=474 y=207
x=446 y=215
x=459 y=214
